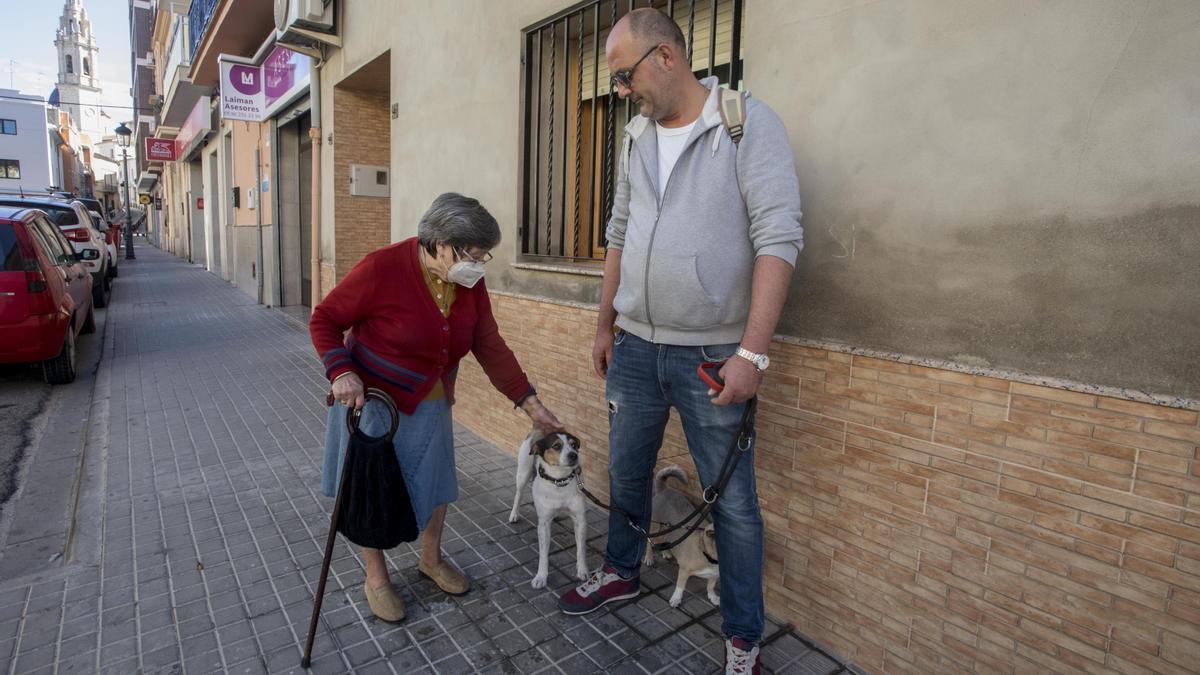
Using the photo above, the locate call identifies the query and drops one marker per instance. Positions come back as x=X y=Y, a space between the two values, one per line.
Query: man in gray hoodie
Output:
x=702 y=243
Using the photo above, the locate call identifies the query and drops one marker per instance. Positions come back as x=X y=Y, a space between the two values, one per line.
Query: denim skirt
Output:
x=424 y=444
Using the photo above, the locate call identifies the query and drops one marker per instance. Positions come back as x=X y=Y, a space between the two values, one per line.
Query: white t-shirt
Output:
x=670 y=146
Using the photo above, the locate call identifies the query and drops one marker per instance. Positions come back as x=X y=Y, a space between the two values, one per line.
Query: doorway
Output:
x=195 y=177
x=295 y=211
x=215 y=199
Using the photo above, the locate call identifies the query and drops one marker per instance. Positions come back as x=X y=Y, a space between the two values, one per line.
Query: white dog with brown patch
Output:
x=556 y=491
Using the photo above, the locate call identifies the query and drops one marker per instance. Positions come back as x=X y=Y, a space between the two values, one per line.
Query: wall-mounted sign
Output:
x=285 y=73
x=143 y=199
x=161 y=149
x=195 y=128
x=241 y=91
x=200 y=203
x=158 y=203
x=255 y=91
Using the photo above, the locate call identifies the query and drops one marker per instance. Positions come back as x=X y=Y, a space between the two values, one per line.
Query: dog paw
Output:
x=581 y=572
x=714 y=599
x=513 y=517
x=676 y=599
x=539 y=581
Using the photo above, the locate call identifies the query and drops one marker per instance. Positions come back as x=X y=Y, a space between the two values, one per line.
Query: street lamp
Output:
x=124 y=135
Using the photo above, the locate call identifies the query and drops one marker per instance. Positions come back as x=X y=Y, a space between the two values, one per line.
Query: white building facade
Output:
x=26 y=161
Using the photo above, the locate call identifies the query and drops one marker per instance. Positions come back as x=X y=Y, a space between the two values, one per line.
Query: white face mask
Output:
x=465 y=273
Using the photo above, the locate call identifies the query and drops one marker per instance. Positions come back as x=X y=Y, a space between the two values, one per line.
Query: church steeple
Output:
x=78 y=81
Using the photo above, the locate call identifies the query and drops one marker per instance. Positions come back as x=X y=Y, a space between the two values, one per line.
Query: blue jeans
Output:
x=644 y=381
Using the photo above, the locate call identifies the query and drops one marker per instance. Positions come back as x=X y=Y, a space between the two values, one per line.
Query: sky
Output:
x=28 y=56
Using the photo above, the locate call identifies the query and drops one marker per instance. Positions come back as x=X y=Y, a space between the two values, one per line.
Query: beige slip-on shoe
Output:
x=385 y=602
x=447 y=577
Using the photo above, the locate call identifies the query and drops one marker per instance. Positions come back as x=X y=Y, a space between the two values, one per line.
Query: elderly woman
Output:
x=412 y=310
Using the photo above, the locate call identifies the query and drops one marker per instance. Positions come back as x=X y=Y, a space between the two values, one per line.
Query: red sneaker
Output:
x=741 y=657
x=603 y=586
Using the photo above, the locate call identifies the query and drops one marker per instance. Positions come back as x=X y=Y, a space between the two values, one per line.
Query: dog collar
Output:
x=709 y=557
x=558 y=482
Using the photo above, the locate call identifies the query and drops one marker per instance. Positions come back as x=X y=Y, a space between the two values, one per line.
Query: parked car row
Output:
x=56 y=267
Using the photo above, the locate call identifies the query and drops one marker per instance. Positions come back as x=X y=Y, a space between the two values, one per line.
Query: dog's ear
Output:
x=573 y=441
x=543 y=444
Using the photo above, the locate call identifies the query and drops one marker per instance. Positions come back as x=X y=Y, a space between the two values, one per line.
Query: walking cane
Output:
x=306 y=660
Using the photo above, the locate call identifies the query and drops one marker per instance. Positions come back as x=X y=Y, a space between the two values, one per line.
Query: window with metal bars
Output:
x=572 y=119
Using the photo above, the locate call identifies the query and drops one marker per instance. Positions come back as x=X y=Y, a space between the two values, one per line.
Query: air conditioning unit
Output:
x=154 y=100
x=305 y=25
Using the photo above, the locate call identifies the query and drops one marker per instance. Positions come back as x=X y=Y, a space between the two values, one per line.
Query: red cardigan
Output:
x=398 y=339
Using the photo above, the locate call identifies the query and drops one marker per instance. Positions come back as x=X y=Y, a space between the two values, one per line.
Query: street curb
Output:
x=60 y=430
x=93 y=461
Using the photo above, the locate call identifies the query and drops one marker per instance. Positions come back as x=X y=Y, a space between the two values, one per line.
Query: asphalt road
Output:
x=23 y=398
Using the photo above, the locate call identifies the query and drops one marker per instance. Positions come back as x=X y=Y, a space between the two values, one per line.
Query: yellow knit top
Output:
x=443 y=297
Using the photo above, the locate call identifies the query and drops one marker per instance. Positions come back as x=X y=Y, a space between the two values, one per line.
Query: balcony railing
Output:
x=198 y=17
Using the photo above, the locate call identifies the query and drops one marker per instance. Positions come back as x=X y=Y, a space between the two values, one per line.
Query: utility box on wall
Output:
x=368 y=181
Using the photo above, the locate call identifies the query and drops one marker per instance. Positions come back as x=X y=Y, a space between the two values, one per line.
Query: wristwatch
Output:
x=761 y=361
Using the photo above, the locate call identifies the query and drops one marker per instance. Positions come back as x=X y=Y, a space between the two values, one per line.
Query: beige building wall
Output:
x=455 y=82
x=1008 y=188
x=246 y=138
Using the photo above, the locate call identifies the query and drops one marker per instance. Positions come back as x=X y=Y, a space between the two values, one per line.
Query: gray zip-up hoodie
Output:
x=687 y=263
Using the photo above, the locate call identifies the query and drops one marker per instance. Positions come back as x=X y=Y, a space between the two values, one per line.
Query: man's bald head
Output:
x=649 y=26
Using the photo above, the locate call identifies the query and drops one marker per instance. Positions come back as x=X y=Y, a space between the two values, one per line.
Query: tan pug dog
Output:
x=696 y=555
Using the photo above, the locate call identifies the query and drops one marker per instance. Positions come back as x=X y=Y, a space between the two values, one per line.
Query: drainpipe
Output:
x=314 y=133
x=258 y=214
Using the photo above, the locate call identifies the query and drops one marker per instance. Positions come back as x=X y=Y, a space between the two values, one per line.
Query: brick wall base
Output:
x=925 y=520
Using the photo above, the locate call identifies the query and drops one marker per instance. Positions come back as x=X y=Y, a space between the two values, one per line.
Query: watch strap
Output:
x=750 y=356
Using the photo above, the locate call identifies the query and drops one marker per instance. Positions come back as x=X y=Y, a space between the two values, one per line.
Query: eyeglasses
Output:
x=624 y=77
x=485 y=259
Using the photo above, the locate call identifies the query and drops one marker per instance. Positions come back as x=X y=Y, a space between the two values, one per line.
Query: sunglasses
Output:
x=624 y=77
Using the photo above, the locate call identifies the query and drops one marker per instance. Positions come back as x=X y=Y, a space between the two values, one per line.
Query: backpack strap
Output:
x=733 y=112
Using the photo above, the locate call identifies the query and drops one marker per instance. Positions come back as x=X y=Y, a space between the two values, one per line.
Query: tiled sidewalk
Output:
x=203 y=549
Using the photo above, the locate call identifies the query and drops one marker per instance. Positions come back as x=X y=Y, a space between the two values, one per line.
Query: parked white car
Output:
x=72 y=217
x=104 y=228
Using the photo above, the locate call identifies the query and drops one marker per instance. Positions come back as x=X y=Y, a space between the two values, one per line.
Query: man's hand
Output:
x=349 y=390
x=742 y=380
x=541 y=416
x=602 y=352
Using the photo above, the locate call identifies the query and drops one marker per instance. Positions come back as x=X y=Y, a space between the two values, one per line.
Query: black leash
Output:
x=741 y=442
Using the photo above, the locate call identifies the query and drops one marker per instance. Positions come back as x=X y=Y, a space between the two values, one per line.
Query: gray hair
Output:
x=458 y=222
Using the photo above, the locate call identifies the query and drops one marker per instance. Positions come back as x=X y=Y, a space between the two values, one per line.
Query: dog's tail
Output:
x=663 y=474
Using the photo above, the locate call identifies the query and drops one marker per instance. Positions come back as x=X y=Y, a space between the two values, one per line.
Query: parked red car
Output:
x=45 y=294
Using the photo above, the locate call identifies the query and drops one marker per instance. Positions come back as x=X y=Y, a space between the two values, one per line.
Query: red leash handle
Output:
x=708 y=373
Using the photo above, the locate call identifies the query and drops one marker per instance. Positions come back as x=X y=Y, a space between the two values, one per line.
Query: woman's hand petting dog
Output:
x=541 y=416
